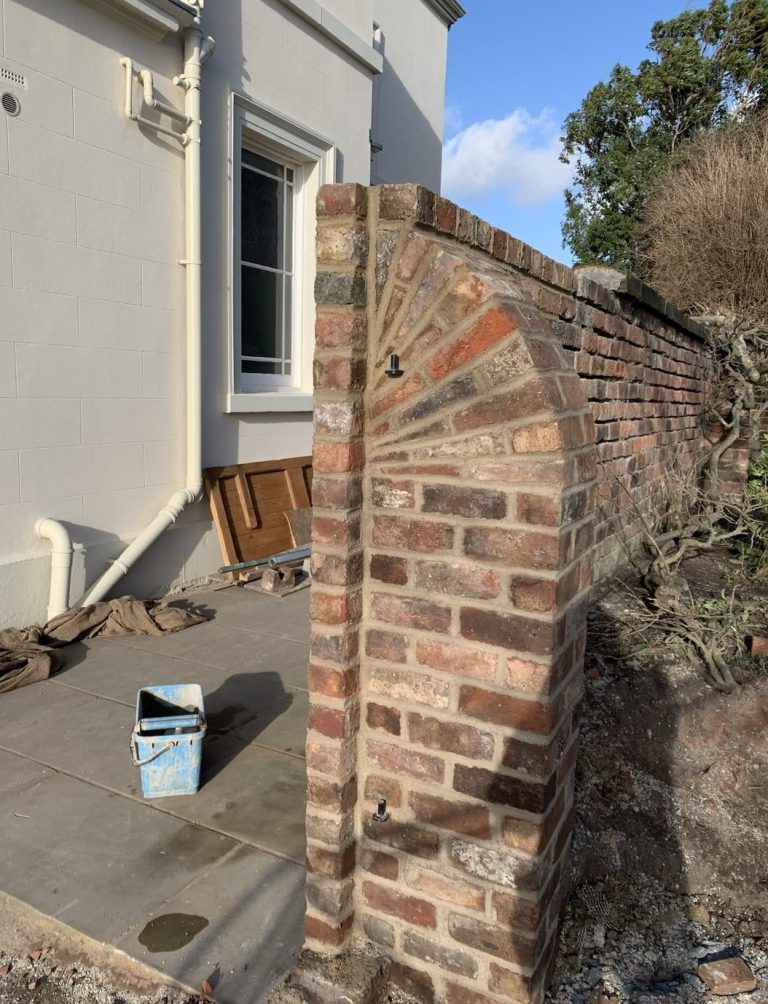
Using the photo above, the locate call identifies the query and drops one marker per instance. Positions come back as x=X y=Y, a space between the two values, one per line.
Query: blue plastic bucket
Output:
x=167 y=739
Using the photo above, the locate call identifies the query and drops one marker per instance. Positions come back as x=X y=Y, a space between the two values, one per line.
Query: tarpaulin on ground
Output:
x=32 y=654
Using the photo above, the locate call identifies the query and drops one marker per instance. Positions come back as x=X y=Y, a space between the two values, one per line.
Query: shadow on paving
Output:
x=240 y=709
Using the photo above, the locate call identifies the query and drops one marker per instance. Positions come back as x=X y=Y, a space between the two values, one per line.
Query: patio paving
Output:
x=82 y=845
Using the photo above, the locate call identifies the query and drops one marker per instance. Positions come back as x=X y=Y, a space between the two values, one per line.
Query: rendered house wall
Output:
x=91 y=292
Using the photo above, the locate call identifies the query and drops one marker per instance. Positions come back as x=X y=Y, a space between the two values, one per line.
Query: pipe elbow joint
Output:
x=55 y=532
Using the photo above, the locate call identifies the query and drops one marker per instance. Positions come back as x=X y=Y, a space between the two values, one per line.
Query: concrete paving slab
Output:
x=36 y=708
x=106 y=861
x=253 y=794
x=117 y=671
x=16 y=775
x=286 y=617
x=92 y=741
x=97 y=861
x=254 y=905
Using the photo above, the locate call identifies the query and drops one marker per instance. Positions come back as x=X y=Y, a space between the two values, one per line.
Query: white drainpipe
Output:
x=196 y=51
x=61 y=564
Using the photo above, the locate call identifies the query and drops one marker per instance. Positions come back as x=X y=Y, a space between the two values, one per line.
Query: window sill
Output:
x=266 y=401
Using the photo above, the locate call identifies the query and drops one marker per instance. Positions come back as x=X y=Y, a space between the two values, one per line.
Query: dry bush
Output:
x=707 y=227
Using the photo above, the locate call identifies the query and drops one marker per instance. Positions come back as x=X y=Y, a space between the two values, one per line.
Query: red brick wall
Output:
x=452 y=554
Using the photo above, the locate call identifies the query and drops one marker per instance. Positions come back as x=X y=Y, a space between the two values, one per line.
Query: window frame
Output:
x=313 y=160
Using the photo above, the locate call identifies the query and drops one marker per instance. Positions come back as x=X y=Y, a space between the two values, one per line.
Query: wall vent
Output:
x=10 y=103
x=13 y=76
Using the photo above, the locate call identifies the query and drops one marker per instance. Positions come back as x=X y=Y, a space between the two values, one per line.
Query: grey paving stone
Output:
x=97 y=861
x=254 y=905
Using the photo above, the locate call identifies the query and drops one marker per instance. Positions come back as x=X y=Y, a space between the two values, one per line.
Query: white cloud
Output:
x=516 y=156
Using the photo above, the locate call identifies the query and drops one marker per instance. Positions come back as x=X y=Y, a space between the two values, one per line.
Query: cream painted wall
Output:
x=409 y=101
x=91 y=292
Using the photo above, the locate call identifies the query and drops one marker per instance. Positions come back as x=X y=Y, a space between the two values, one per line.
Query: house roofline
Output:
x=449 y=10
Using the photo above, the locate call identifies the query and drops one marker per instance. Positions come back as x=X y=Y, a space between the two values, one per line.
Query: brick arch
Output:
x=452 y=558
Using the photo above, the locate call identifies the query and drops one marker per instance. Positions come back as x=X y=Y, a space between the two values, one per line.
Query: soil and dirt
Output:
x=670 y=858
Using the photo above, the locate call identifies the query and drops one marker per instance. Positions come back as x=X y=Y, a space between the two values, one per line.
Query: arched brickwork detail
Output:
x=453 y=528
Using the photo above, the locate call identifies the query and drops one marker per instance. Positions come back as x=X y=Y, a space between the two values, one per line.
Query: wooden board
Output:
x=249 y=502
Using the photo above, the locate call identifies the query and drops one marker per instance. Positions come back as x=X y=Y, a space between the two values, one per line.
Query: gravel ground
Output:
x=41 y=978
x=628 y=944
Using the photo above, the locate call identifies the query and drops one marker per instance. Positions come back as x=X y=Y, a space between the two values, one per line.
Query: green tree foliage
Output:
x=706 y=68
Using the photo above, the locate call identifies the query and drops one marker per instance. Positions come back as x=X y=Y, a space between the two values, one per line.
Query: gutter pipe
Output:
x=196 y=52
x=61 y=564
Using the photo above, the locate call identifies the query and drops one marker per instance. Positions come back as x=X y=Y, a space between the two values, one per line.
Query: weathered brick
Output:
x=344 y=373
x=412 y=534
x=386 y=568
x=377 y=787
x=510 y=712
x=497 y=865
x=407 y=685
x=453 y=737
x=337 y=330
x=341 y=245
x=450 y=959
x=340 y=288
x=331 y=864
x=335 y=830
x=533 y=838
x=381 y=864
x=388 y=494
x=492 y=940
x=333 y=682
x=513 y=547
x=330 y=935
x=503 y=789
x=339 y=457
x=379 y=931
x=407 y=837
x=386 y=645
x=494 y=325
x=335 y=723
x=459 y=817
x=336 y=491
x=409 y=612
x=451 y=658
x=457 y=579
x=473 y=503
x=449 y=890
x=330 y=794
x=507 y=630
x=338 y=418
x=337 y=760
x=528 y=593
x=421 y=766
x=349 y=198
x=334 y=899
x=336 y=570
x=542 y=510
x=455 y=994
x=509 y=984
x=330 y=531
x=379 y=716
x=341 y=648
x=534 y=396
x=408 y=908
x=331 y=608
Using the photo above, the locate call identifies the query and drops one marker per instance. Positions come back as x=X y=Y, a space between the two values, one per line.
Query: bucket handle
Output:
x=153 y=756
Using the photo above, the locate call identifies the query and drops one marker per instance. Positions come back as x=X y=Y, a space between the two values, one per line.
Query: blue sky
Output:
x=515 y=69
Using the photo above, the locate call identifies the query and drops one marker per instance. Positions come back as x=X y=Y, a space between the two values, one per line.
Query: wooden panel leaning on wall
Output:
x=249 y=502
